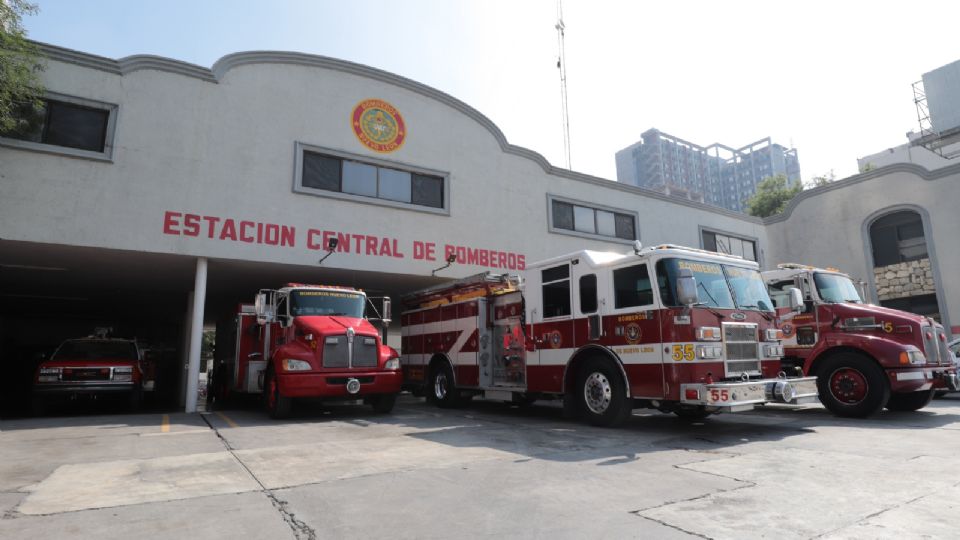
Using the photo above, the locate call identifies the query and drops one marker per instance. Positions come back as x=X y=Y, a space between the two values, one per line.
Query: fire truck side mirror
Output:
x=687 y=293
x=386 y=316
x=263 y=308
x=796 y=300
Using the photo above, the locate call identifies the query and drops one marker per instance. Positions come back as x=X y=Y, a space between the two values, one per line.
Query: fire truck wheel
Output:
x=852 y=385
x=602 y=394
x=277 y=406
x=383 y=403
x=441 y=390
x=910 y=401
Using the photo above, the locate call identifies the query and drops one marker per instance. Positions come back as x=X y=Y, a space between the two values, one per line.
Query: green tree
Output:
x=773 y=194
x=20 y=87
x=823 y=179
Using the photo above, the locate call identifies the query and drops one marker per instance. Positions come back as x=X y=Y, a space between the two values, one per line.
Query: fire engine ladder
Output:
x=478 y=285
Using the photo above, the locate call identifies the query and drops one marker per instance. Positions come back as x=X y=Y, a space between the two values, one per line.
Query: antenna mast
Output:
x=562 y=66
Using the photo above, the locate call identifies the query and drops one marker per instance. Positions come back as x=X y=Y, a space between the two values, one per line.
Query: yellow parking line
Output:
x=229 y=422
x=165 y=424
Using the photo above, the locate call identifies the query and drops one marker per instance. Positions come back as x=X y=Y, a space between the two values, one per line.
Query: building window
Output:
x=592 y=221
x=731 y=245
x=898 y=238
x=329 y=172
x=68 y=123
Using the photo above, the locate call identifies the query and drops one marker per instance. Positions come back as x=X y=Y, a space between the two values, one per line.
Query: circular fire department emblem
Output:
x=378 y=125
x=632 y=333
x=787 y=330
x=556 y=339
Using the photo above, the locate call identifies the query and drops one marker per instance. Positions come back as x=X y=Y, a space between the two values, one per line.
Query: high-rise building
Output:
x=717 y=174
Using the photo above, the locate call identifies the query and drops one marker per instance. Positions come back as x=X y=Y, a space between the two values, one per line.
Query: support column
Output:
x=184 y=357
x=196 y=333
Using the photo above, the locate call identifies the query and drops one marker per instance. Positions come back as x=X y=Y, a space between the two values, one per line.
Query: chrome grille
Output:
x=336 y=352
x=741 y=348
x=364 y=351
x=930 y=347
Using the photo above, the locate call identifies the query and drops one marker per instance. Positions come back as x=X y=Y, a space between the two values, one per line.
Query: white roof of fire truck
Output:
x=789 y=270
x=598 y=259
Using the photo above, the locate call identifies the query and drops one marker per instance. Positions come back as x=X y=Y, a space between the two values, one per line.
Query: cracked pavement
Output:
x=487 y=470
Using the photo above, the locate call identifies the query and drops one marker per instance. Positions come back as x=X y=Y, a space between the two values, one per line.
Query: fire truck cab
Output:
x=671 y=328
x=307 y=341
x=865 y=357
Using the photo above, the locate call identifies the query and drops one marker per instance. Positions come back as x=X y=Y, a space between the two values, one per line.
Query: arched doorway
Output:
x=902 y=269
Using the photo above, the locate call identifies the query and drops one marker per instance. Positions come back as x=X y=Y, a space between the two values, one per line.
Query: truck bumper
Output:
x=68 y=389
x=318 y=385
x=744 y=396
x=922 y=378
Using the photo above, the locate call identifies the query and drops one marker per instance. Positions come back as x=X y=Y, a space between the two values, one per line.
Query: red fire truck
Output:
x=307 y=341
x=671 y=328
x=865 y=357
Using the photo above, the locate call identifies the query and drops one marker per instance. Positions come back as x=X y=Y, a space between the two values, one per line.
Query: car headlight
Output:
x=393 y=364
x=773 y=351
x=49 y=374
x=123 y=373
x=290 y=364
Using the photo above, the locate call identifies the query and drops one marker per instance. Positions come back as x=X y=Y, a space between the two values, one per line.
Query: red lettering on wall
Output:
x=191 y=225
x=371 y=245
x=244 y=236
x=288 y=236
x=312 y=236
x=211 y=221
x=169 y=222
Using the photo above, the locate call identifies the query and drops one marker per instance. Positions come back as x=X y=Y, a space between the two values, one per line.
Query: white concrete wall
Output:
x=828 y=226
x=226 y=149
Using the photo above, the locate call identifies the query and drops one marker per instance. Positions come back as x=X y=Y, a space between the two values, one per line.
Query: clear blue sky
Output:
x=833 y=78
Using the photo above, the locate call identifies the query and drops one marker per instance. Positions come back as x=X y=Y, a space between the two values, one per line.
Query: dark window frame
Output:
x=106 y=136
x=440 y=190
x=550 y=283
x=704 y=244
x=561 y=225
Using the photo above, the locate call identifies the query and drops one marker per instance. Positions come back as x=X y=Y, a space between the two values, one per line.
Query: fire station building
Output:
x=152 y=196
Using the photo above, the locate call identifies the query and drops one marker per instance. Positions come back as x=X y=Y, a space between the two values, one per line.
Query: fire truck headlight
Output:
x=392 y=364
x=772 y=351
x=296 y=365
x=709 y=351
x=123 y=373
x=773 y=334
x=49 y=374
x=708 y=333
x=912 y=356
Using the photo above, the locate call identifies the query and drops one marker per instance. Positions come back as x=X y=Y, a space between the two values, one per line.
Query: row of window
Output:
x=332 y=173
x=86 y=127
x=632 y=287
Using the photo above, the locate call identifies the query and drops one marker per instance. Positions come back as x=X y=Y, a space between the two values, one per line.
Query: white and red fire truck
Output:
x=307 y=341
x=865 y=357
x=676 y=329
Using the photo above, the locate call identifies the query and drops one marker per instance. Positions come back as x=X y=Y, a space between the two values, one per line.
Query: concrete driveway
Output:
x=488 y=470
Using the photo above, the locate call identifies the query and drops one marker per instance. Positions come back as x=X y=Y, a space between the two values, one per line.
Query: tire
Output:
x=691 y=413
x=383 y=403
x=910 y=401
x=440 y=390
x=276 y=405
x=601 y=394
x=852 y=386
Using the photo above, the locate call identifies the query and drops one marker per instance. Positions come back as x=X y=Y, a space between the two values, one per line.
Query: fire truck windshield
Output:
x=720 y=286
x=835 y=288
x=321 y=302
